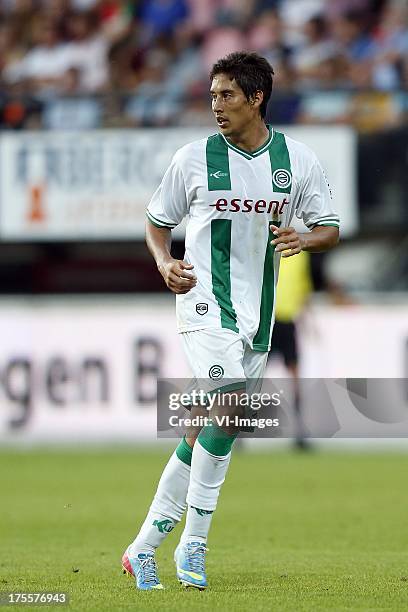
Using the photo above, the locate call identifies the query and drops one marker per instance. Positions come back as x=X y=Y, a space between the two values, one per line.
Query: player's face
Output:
x=233 y=112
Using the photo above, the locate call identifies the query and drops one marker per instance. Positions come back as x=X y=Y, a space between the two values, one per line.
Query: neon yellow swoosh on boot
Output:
x=191 y=574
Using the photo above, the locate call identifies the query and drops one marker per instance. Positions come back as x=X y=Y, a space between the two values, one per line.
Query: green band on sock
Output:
x=215 y=440
x=202 y=512
x=184 y=452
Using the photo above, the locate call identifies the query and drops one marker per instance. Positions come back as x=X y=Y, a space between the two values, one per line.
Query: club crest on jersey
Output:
x=282 y=178
x=202 y=308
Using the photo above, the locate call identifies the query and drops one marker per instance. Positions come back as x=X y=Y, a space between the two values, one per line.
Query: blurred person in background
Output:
x=124 y=67
x=352 y=32
x=83 y=5
x=293 y=293
x=374 y=111
x=315 y=59
x=186 y=75
x=116 y=18
x=296 y=13
x=155 y=102
x=226 y=36
x=160 y=18
x=391 y=35
x=266 y=35
x=153 y=55
x=202 y=14
x=195 y=112
x=56 y=10
x=43 y=69
x=87 y=51
x=17 y=7
x=11 y=46
x=325 y=107
x=336 y=8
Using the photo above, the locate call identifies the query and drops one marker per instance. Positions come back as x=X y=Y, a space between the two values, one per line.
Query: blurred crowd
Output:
x=85 y=63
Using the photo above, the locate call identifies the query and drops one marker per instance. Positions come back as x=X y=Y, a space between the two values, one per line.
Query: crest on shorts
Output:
x=216 y=372
x=202 y=308
x=282 y=178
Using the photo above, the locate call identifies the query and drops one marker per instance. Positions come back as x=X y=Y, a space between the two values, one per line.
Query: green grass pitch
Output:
x=324 y=531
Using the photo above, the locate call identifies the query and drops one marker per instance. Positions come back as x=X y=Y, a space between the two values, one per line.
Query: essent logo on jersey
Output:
x=274 y=207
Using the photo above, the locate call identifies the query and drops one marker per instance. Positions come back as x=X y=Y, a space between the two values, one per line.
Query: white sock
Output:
x=167 y=507
x=207 y=475
x=198 y=523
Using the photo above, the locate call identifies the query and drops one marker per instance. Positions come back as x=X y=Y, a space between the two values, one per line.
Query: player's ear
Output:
x=256 y=99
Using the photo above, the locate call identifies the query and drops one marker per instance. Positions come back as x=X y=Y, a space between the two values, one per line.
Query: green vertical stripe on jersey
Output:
x=262 y=337
x=218 y=172
x=280 y=164
x=282 y=183
x=220 y=271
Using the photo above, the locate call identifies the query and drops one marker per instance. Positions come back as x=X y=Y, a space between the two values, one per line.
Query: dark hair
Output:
x=252 y=73
x=320 y=24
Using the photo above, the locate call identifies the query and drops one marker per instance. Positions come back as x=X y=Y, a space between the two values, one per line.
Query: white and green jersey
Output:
x=231 y=197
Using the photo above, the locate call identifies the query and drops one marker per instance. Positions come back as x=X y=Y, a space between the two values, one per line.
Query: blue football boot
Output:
x=143 y=568
x=189 y=558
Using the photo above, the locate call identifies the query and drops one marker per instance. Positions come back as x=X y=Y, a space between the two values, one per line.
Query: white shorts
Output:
x=222 y=360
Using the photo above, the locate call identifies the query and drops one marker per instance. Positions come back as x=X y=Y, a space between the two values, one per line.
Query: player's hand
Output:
x=176 y=276
x=286 y=240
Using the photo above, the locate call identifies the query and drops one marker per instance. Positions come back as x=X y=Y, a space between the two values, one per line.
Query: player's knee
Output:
x=190 y=439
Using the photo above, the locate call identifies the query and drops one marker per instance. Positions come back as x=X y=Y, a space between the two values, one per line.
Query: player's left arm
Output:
x=290 y=242
x=315 y=208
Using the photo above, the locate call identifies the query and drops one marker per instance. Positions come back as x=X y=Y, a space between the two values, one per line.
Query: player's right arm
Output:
x=175 y=272
x=167 y=208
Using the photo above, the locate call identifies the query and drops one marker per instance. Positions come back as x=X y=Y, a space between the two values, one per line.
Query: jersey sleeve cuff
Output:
x=327 y=221
x=158 y=223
